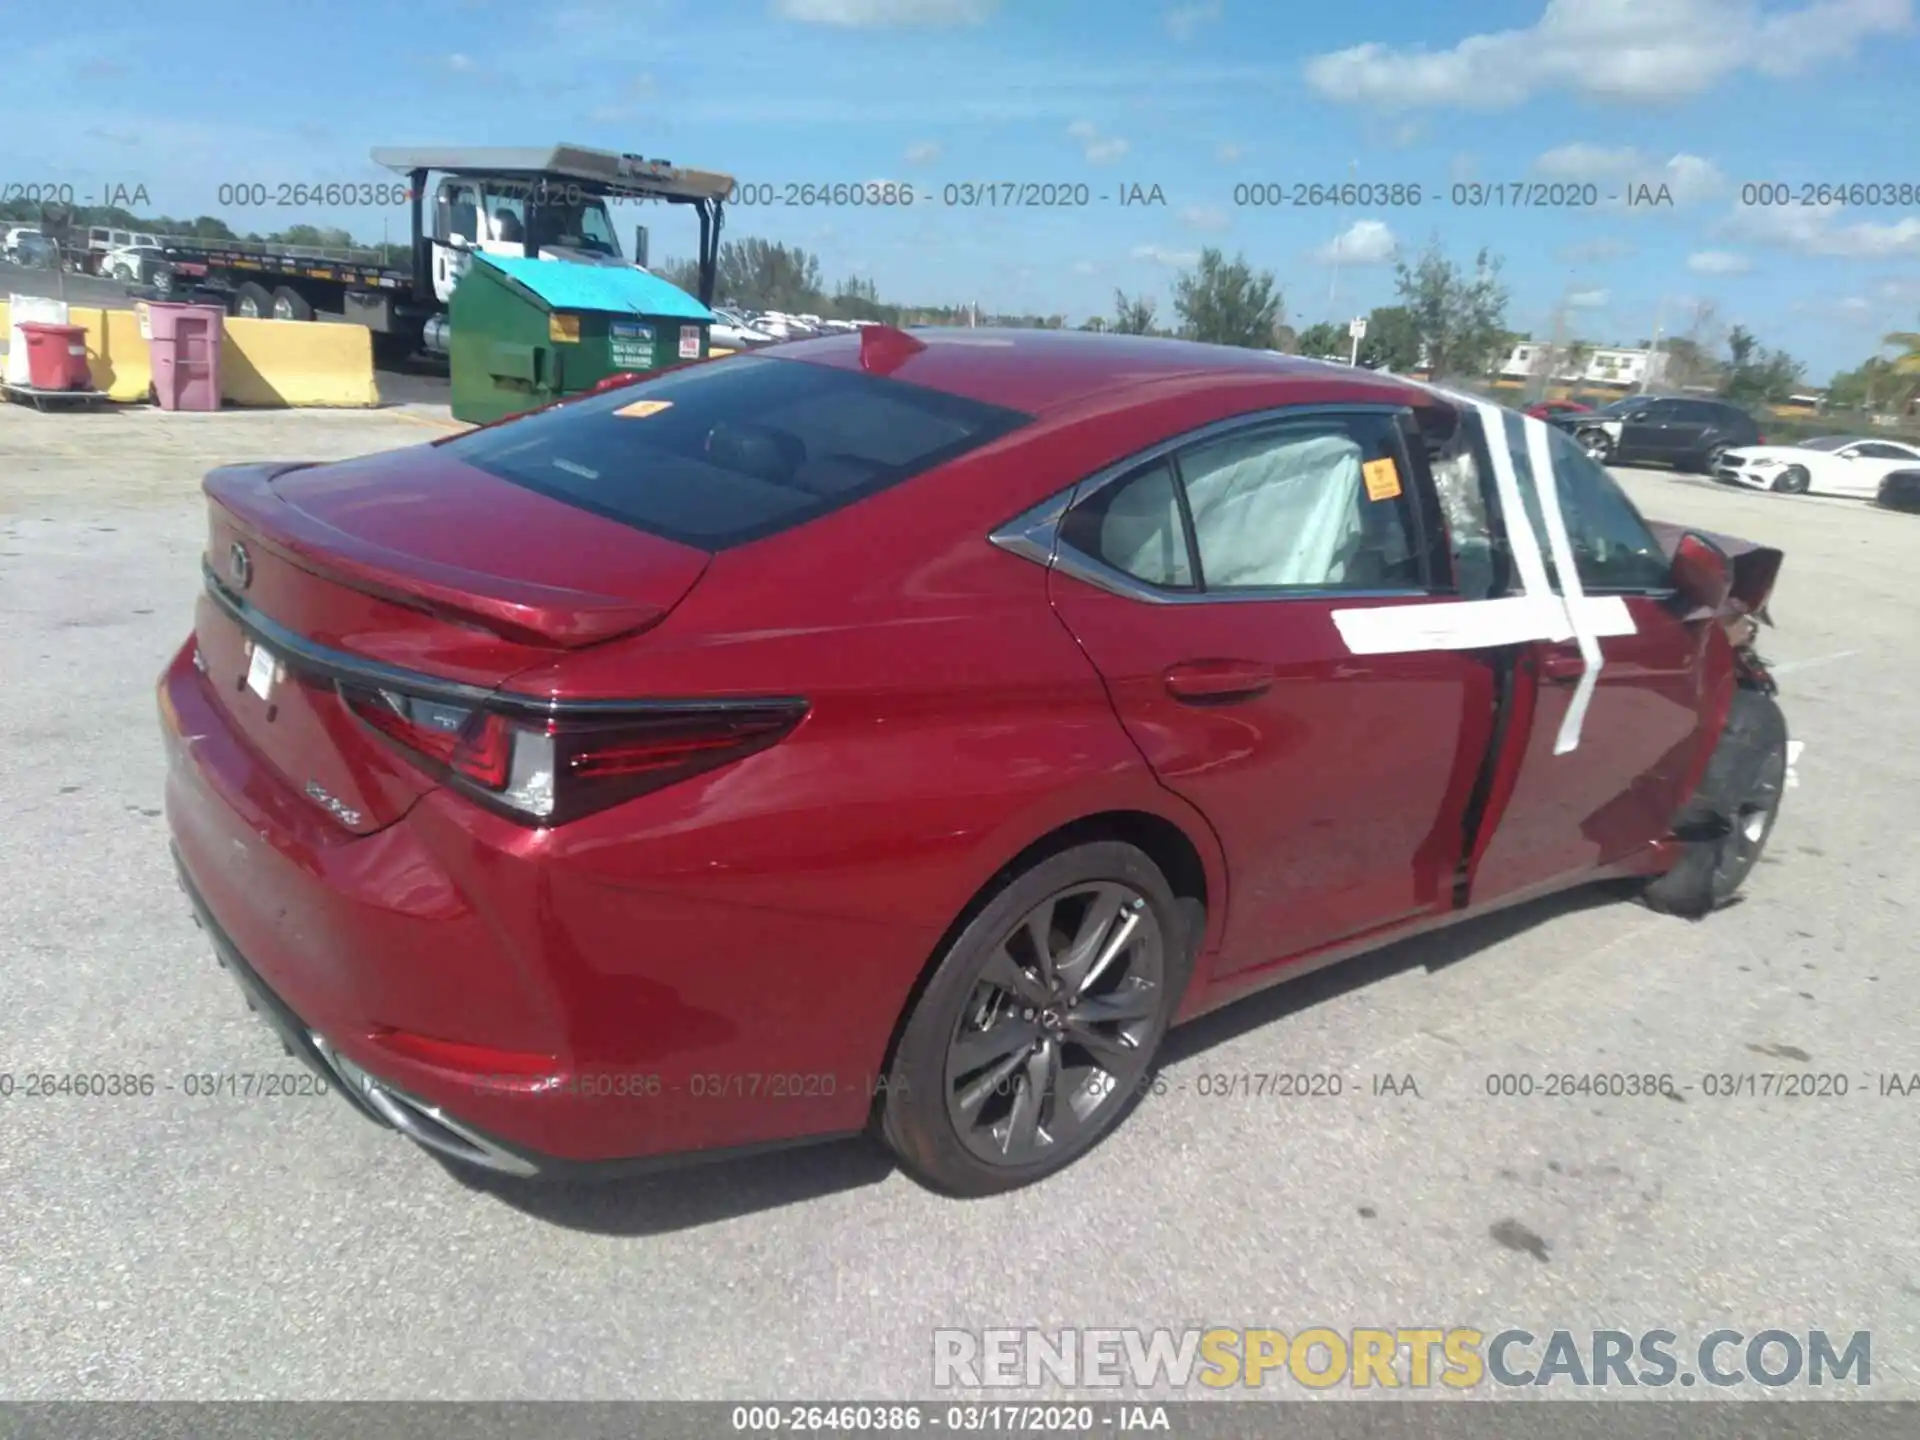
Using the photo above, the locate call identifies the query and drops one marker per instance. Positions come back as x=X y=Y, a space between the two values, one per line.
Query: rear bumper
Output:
x=467 y=985
x=421 y=1121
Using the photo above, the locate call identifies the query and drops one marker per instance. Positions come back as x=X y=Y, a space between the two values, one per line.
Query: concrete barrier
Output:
x=297 y=362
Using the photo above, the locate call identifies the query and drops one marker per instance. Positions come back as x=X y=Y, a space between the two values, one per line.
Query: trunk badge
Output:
x=240 y=564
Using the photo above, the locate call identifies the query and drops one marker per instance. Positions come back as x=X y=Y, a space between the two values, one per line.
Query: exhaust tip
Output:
x=424 y=1124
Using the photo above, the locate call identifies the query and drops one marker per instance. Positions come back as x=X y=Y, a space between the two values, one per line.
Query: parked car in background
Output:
x=732 y=330
x=1900 y=491
x=33 y=250
x=938 y=724
x=1683 y=432
x=1852 y=465
x=134 y=264
x=11 y=240
x=1548 y=409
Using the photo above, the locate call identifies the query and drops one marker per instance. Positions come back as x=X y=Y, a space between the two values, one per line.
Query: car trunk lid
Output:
x=407 y=563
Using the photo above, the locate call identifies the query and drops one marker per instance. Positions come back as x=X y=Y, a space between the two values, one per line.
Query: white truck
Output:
x=551 y=203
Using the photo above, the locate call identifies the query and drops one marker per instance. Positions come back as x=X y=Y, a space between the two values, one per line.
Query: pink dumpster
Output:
x=184 y=346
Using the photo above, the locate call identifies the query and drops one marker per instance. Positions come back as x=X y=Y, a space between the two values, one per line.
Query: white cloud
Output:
x=458 y=61
x=1099 y=149
x=923 y=152
x=1230 y=153
x=1815 y=230
x=1587 y=299
x=1632 y=51
x=1206 y=217
x=1184 y=20
x=883 y=14
x=1365 y=242
x=1161 y=255
x=1718 y=262
x=1622 y=170
x=1083 y=267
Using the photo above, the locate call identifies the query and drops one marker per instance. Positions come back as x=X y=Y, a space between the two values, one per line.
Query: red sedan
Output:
x=1553 y=409
x=905 y=730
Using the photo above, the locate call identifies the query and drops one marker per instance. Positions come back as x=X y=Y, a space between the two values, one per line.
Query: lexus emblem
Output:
x=241 y=564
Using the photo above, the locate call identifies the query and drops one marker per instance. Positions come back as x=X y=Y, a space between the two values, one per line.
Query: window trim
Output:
x=1035 y=533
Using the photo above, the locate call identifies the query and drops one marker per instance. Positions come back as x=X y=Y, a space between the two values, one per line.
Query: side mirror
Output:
x=1702 y=574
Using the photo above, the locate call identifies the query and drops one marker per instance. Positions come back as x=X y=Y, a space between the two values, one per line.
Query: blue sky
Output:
x=1195 y=97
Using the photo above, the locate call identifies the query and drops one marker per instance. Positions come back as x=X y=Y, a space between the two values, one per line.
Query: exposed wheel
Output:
x=1037 y=1028
x=1598 y=445
x=252 y=301
x=1710 y=461
x=123 y=274
x=1793 y=480
x=290 y=304
x=1725 y=827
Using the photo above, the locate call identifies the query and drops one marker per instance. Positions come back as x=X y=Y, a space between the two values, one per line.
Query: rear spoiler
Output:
x=1756 y=568
x=512 y=609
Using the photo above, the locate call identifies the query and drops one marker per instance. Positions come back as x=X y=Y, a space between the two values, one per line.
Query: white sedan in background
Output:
x=1831 y=465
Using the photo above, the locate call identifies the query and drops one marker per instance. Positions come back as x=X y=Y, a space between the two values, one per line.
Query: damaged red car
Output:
x=900 y=732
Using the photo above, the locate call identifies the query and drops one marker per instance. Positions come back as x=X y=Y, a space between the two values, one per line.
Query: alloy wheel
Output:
x=1741 y=847
x=1056 y=1033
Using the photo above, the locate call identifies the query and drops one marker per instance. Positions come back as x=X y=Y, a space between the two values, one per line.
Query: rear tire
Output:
x=1727 y=824
x=252 y=301
x=991 y=1086
x=290 y=304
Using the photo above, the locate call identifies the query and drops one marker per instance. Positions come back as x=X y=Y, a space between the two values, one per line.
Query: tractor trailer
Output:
x=552 y=204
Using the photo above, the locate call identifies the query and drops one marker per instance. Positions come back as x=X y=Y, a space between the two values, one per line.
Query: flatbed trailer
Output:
x=549 y=203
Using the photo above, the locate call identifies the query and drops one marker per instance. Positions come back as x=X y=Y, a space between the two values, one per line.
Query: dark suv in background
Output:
x=1688 y=434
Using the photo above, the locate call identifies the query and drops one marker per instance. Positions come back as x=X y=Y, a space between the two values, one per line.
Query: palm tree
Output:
x=1905 y=367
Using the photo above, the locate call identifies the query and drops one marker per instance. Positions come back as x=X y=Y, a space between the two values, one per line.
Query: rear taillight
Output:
x=549 y=768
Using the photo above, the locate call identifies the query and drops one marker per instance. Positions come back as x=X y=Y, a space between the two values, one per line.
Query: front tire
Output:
x=1726 y=826
x=1598 y=445
x=1794 y=480
x=1039 y=1024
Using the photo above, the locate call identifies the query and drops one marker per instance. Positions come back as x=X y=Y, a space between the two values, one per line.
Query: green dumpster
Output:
x=525 y=332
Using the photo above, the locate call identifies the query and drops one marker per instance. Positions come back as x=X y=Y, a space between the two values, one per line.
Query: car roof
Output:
x=1039 y=371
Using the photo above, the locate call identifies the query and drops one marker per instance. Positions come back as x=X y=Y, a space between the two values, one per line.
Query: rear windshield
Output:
x=719 y=454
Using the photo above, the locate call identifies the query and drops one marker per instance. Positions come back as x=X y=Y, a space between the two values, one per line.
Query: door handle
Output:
x=1218 y=682
x=1562 y=667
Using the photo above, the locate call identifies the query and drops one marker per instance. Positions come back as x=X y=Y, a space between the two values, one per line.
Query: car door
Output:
x=1203 y=580
x=1863 y=466
x=1642 y=739
x=1648 y=433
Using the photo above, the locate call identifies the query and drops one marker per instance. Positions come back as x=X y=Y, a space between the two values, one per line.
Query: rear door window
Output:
x=719 y=454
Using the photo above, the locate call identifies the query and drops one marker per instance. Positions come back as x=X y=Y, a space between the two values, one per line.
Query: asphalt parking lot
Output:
x=189 y=1246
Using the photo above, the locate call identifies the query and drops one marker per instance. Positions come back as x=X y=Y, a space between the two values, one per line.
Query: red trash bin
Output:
x=56 y=356
x=185 y=351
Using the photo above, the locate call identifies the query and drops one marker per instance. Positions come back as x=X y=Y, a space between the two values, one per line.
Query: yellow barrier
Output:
x=297 y=362
x=262 y=362
x=116 y=355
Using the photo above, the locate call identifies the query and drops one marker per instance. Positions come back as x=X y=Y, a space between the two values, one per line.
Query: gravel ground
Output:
x=190 y=1247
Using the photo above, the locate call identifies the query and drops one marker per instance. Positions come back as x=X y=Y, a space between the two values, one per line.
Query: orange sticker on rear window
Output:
x=1383 y=479
x=640 y=409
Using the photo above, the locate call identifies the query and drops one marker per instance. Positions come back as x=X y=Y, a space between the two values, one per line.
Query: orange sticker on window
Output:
x=1383 y=479
x=640 y=409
